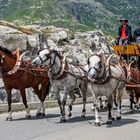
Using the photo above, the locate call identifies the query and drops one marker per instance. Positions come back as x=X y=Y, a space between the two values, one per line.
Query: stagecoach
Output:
x=126 y=53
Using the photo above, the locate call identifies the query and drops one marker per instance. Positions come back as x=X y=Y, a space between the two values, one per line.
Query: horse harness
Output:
x=64 y=69
x=27 y=69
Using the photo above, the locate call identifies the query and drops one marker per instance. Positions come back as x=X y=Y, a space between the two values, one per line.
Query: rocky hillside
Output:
x=75 y=14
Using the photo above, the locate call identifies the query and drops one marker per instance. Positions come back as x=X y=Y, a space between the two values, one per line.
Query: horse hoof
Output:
x=28 y=117
x=69 y=115
x=101 y=107
x=131 y=112
x=97 y=124
x=118 y=118
x=62 y=120
x=83 y=116
x=113 y=119
x=109 y=122
x=8 y=119
x=137 y=107
x=38 y=114
x=92 y=110
x=43 y=114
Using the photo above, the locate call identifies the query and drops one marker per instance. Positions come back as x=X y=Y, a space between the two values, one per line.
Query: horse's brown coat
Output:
x=134 y=77
x=25 y=77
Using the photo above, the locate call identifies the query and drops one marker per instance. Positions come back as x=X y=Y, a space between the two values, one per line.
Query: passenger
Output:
x=137 y=40
x=124 y=33
x=137 y=35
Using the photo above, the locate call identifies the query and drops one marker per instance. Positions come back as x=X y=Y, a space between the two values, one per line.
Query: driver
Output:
x=124 y=33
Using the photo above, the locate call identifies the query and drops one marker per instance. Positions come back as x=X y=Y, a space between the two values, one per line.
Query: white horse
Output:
x=105 y=79
x=65 y=77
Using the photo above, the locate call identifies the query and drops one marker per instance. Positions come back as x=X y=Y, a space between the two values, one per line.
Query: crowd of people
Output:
x=125 y=35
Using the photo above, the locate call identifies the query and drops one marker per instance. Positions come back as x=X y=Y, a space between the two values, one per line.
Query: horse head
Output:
x=7 y=59
x=95 y=65
x=48 y=57
x=10 y=61
x=43 y=57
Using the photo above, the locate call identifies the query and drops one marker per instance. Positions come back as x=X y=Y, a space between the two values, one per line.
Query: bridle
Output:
x=47 y=57
x=52 y=60
x=100 y=64
x=102 y=68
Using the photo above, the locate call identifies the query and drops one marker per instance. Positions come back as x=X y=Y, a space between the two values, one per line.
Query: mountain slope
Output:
x=74 y=14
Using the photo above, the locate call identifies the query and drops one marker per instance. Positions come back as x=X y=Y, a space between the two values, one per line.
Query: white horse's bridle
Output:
x=105 y=71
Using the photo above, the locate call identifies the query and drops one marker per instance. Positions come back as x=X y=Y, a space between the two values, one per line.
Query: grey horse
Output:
x=64 y=77
x=105 y=79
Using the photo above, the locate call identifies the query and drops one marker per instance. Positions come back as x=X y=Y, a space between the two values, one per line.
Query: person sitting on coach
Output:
x=124 y=33
x=137 y=40
x=137 y=35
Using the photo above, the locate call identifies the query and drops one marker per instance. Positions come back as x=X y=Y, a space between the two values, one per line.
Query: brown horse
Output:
x=25 y=77
x=133 y=75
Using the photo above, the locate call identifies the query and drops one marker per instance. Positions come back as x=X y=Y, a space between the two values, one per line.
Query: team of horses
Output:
x=100 y=77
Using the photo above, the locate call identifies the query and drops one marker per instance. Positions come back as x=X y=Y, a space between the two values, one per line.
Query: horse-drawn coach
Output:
x=129 y=59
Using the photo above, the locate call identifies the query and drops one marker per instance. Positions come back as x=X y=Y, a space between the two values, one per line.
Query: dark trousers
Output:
x=139 y=62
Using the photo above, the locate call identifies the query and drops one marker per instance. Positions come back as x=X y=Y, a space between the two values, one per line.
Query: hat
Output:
x=123 y=19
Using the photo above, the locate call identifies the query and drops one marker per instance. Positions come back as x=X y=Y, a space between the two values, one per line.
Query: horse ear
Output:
x=100 y=52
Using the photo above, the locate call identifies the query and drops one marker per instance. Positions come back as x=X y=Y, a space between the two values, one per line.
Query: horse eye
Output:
x=46 y=55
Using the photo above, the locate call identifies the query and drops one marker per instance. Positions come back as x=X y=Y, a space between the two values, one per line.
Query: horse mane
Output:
x=5 y=50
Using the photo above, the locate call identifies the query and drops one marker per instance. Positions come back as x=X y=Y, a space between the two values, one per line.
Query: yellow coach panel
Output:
x=130 y=50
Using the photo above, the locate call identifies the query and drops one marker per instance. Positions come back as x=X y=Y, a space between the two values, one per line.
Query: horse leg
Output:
x=45 y=92
x=23 y=95
x=62 y=102
x=138 y=105
x=72 y=96
x=84 y=105
x=9 y=118
x=84 y=93
x=100 y=101
x=62 y=110
x=137 y=101
x=109 y=105
x=97 y=116
x=118 y=117
x=131 y=101
x=38 y=113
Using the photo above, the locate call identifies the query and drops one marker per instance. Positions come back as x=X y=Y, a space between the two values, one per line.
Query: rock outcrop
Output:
x=80 y=45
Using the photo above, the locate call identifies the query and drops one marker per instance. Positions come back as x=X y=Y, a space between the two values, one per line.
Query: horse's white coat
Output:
x=68 y=83
x=105 y=89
